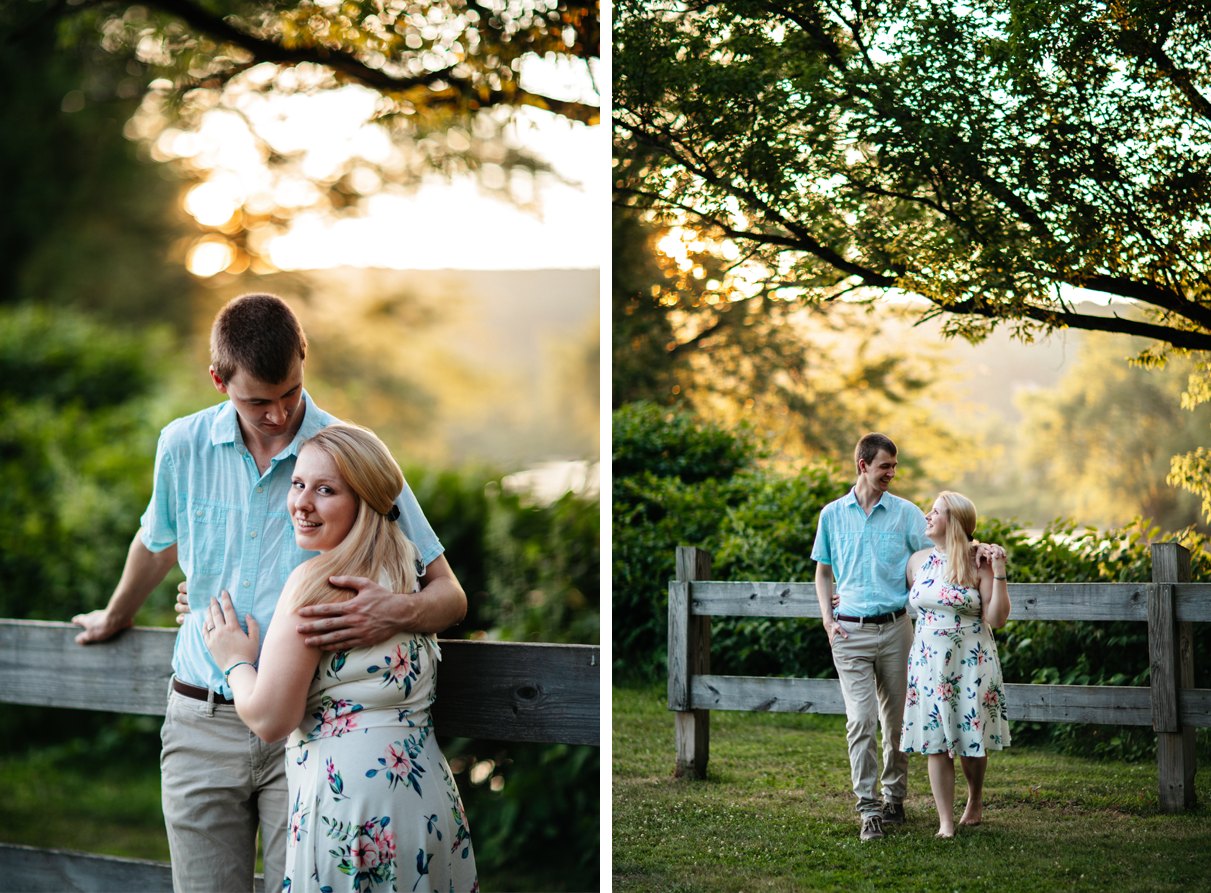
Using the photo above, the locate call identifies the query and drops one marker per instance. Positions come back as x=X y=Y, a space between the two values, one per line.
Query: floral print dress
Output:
x=374 y=806
x=956 y=695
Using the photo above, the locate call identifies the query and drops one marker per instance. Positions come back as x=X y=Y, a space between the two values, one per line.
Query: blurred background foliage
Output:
x=759 y=523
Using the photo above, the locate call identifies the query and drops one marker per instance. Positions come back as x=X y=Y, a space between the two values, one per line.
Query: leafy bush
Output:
x=650 y=438
x=757 y=525
x=76 y=450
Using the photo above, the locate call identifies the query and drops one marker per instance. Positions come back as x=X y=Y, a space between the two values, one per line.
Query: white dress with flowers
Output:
x=373 y=802
x=956 y=695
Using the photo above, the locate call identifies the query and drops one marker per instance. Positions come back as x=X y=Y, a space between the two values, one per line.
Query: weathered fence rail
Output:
x=499 y=690
x=1170 y=704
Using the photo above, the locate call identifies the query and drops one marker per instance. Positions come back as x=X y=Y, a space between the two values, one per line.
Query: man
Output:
x=863 y=542
x=219 y=509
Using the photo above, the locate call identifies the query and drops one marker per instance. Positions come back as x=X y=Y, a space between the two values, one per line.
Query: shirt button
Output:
x=245 y=582
x=199 y=513
x=254 y=534
x=259 y=489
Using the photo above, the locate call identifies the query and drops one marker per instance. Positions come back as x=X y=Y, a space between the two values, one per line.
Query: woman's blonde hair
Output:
x=960 y=526
x=375 y=547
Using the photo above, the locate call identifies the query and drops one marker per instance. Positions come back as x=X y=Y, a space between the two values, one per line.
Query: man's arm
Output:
x=143 y=571
x=824 y=595
x=376 y=614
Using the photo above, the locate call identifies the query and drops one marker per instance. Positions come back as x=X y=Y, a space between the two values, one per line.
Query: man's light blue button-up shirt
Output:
x=869 y=553
x=230 y=524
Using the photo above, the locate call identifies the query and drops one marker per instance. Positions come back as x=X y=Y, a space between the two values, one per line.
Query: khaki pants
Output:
x=218 y=782
x=872 y=665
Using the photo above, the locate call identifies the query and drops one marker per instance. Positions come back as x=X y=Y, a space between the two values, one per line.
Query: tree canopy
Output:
x=981 y=155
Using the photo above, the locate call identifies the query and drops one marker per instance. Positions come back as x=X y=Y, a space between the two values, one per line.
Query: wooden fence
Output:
x=1171 y=705
x=497 y=690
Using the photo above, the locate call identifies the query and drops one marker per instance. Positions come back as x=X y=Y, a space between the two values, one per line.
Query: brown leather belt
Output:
x=878 y=618
x=200 y=694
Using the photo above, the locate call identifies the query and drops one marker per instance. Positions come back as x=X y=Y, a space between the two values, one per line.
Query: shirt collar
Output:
x=225 y=427
x=851 y=498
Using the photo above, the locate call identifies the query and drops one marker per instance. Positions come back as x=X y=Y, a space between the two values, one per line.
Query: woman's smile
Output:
x=321 y=503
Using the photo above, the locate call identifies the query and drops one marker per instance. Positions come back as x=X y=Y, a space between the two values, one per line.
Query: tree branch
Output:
x=349 y=65
x=1067 y=319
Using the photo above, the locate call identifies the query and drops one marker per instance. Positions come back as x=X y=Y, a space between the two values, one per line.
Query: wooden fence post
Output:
x=1171 y=658
x=689 y=655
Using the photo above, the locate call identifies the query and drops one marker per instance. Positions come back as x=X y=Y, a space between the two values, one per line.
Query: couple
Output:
x=939 y=693
x=269 y=504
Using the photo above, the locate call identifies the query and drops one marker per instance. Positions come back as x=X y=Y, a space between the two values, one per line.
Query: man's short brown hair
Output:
x=868 y=447
x=258 y=333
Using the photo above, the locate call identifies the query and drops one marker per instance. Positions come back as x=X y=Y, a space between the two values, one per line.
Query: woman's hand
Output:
x=222 y=634
x=994 y=591
x=991 y=553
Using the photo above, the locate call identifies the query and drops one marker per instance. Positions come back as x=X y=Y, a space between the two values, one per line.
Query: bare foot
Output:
x=972 y=814
x=944 y=835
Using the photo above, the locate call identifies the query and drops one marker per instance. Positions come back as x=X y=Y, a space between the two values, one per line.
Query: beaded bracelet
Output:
x=227 y=672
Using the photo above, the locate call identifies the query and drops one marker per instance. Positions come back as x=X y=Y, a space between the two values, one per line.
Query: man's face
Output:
x=879 y=471
x=269 y=409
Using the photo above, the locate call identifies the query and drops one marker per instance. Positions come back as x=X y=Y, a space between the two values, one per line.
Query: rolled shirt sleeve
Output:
x=158 y=526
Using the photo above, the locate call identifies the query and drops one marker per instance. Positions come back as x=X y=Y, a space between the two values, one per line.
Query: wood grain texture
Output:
x=508 y=691
x=519 y=691
x=691 y=727
x=763 y=693
x=40 y=663
x=35 y=870
x=1172 y=666
x=1030 y=601
x=1162 y=658
x=679 y=645
x=1105 y=705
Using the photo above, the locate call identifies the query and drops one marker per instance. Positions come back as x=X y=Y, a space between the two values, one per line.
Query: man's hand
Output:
x=833 y=628
x=374 y=615
x=98 y=626
x=182 y=605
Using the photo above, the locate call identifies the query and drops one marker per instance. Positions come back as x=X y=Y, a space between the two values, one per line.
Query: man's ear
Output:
x=219 y=385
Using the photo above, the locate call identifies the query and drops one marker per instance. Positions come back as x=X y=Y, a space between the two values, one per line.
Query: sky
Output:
x=455 y=224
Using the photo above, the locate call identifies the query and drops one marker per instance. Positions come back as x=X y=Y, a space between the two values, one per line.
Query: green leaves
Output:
x=980 y=156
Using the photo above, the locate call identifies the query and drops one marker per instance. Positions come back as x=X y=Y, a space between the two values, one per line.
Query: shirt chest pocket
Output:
x=887 y=546
x=208 y=537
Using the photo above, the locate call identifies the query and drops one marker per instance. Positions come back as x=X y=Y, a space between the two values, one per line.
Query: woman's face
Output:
x=322 y=505
x=936 y=519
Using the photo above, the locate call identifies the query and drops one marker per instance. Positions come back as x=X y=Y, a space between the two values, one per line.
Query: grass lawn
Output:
x=776 y=812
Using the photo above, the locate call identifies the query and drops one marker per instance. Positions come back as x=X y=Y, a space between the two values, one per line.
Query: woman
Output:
x=956 y=698
x=374 y=802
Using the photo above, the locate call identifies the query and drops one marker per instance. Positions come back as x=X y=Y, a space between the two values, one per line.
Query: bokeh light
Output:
x=209 y=257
